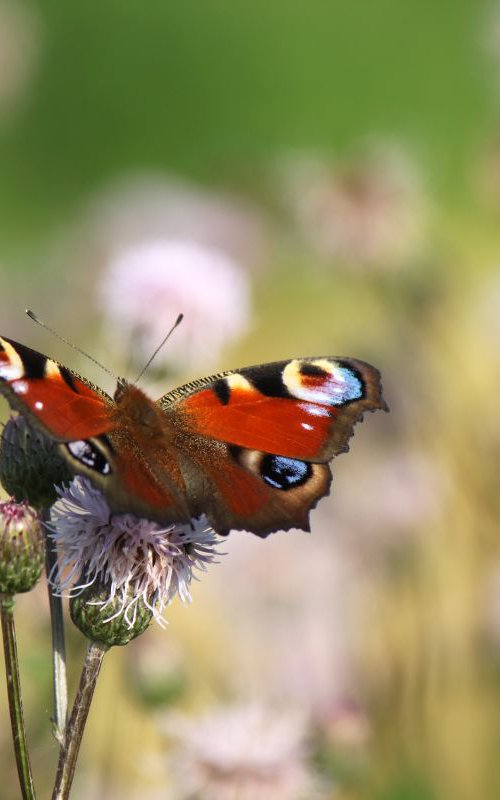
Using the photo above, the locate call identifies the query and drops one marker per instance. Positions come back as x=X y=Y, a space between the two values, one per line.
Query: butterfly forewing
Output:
x=304 y=408
x=66 y=406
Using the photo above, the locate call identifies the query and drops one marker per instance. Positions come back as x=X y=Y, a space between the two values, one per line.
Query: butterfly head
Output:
x=136 y=410
x=121 y=390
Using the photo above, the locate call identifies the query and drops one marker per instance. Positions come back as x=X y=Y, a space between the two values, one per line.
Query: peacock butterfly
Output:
x=249 y=448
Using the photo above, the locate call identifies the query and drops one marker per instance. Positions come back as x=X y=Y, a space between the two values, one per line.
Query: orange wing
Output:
x=65 y=406
x=255 y=442
x=304 y=408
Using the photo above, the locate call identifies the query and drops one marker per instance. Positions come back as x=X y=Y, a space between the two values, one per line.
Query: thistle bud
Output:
x=21 y=548
x=109 y=618
x=30 y=464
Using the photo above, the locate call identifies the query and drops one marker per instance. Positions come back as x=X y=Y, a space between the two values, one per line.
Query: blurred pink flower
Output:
x=19 y=45
x=298 y=598
x=150 y=207
x=146 y=286
x=197 y=227
x=347 y=727
x=367 y=212
x=241 y=753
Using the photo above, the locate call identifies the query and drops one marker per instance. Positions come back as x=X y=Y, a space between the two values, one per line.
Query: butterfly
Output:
x=249 y=448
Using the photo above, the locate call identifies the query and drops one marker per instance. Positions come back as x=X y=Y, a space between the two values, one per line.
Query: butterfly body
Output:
x=248 y=448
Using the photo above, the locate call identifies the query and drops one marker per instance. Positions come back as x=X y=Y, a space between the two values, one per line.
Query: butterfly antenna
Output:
x=36 y=319
x=172 y=329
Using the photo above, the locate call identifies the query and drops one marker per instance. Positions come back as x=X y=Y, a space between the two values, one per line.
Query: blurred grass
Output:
x=215 y=89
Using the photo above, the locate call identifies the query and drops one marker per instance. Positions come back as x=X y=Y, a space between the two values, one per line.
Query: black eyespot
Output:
x=284 y=473
x=312 y=370
x=90 y=456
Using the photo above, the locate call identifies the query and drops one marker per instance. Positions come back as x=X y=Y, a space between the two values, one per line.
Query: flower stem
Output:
x=15 y=699
x=71 y=745
x=58 y=648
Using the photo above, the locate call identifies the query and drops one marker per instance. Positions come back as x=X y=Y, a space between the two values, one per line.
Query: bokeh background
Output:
x=298 y=178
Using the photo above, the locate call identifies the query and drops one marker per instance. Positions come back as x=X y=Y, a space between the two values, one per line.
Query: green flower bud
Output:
x=93 y=612
x=21 y=548
x=30 y=464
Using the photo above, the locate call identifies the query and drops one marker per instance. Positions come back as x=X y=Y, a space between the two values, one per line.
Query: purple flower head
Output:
x=137 y=558
x=146 y=286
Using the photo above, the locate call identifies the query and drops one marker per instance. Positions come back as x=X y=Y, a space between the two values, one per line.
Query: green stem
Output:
x=15 y=699
x=69 y=750
x=58 y=647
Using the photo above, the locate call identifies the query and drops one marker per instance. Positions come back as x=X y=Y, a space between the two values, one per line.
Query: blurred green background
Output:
x=346 y=158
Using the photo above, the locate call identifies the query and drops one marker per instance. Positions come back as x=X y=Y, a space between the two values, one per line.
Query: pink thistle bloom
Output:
x=146 y=207
x=241 y=753
x=368 y=212
x=147 y=285
x=137 y=558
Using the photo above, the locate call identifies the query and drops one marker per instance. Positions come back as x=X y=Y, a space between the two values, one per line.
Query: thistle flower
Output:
x=241 y=753
x=21 y=548
x=146 y=286
x=131 y=564
x=368 y=212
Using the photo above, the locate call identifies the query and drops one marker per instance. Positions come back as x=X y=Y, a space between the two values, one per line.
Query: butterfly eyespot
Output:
x=90 y=456
x=284 y=473
x=323 y=381
x=312 y=370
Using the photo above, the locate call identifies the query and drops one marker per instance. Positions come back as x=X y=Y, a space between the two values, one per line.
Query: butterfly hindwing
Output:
x=238 y=488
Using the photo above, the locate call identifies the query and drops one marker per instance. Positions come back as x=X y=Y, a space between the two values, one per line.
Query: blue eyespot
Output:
x=89 y=455
x=284 y=473
x=352 y=388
